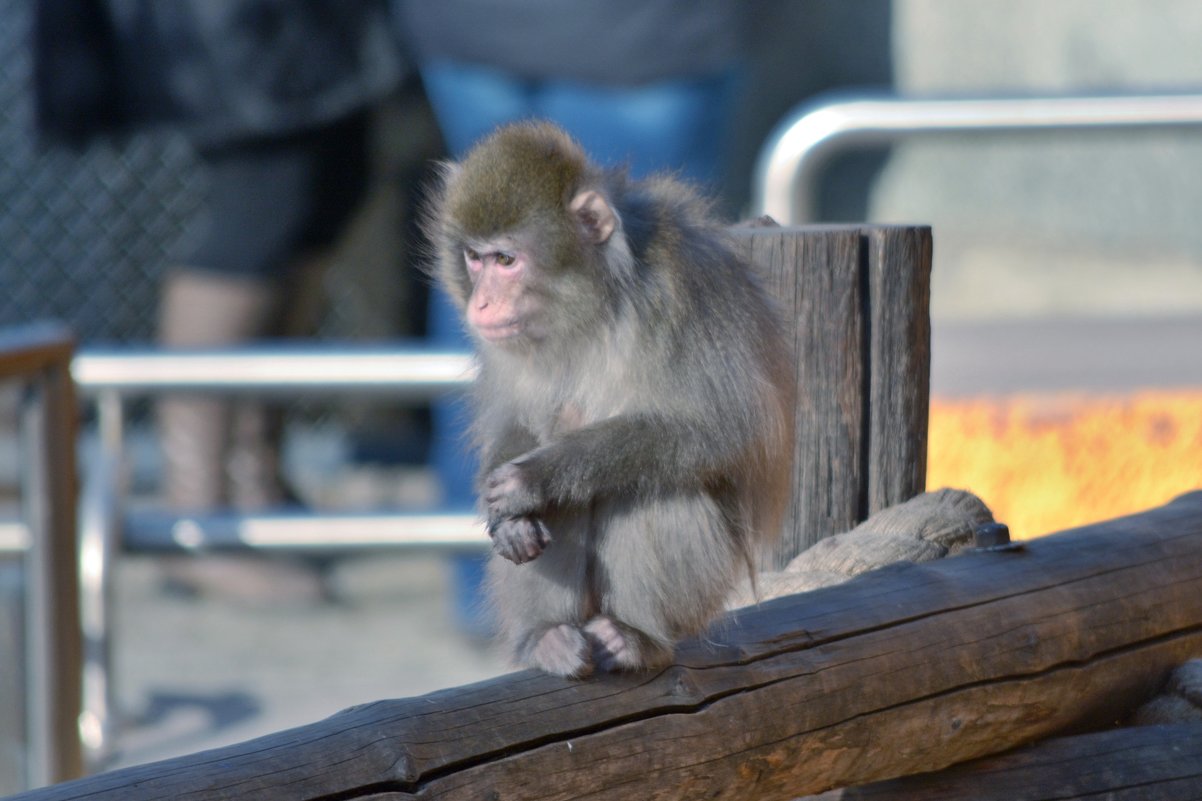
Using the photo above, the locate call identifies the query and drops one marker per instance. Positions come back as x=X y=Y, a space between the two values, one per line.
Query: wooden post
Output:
x=59 y=481
x=899 y=363
x=908 y=669
x=40 y=357
x=859 y=299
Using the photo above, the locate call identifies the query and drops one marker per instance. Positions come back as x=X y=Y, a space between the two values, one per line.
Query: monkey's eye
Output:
x=505 y=259
x=471 y=255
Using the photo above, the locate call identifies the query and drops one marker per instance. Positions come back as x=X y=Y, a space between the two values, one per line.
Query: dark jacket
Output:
x=219 y=70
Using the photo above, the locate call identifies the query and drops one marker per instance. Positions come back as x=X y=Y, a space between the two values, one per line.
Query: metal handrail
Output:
x=273 y=369
x=109 y=376
x=789 y=164
x=293 y=531
x=14 y=537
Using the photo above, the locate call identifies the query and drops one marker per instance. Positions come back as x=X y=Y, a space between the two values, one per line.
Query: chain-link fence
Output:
x=86 y=236
x=83 y=235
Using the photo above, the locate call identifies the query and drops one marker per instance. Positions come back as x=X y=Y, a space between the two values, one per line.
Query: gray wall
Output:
x=1052 y=224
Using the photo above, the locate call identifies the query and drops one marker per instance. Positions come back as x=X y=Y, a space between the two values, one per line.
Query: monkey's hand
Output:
x=519 y=539
x=513 y=503
x=509 y=493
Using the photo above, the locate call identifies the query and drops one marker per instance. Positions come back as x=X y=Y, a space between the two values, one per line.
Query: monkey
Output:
x=633 y=404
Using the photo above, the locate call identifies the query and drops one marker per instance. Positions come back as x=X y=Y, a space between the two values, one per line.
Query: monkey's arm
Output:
x=627 y=454
x=511 y=441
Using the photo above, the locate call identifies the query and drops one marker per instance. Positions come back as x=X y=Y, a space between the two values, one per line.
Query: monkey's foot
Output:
x=614 y=647
x=562 y=650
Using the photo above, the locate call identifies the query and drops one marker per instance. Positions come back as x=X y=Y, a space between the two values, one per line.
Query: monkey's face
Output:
x=504 y=305
x=534 y=288
x=529 y=219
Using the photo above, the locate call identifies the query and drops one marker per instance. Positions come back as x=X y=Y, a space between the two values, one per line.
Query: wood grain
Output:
x=1145 y=763
x=858 y=298
x=39 y=356
x=816 y=275
x=899 y=363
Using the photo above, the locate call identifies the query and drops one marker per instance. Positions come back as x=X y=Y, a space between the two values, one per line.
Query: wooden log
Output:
x=908 y=669
x=1141 y=763
x=859 y=299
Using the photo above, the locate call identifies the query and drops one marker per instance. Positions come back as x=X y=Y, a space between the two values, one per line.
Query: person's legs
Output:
x=198 y=309
x=275 y=209
x=469 y=102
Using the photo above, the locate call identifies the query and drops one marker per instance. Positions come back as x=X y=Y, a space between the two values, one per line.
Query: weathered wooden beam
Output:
x=908 y=669
x=1141 y=763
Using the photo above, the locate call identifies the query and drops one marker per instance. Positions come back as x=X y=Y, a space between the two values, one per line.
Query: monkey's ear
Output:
x=596 y=218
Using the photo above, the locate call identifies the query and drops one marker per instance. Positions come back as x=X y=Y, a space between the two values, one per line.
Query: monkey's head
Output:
x=525 y=236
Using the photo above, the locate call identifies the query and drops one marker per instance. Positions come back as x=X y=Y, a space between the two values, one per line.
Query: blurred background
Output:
x=1066 y=322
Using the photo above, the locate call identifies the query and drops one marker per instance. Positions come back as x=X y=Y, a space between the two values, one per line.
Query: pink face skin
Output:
x=497 y=308
x=502 y=309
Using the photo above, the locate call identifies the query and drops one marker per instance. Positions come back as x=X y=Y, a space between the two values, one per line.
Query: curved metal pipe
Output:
x=272 y=370
x=109 y=375
x=788 y=167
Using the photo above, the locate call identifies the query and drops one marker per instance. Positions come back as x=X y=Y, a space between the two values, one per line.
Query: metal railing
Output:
x=111 y=377
x=37 y=358
x=790 y=163
x=282 y=369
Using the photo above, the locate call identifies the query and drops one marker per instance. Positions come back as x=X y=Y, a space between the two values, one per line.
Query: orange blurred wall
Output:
x=1045 y=462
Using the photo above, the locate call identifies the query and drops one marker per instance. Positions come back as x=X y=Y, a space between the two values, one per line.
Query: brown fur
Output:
x=635 y=437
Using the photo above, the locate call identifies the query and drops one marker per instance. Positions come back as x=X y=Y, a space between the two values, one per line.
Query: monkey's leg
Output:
x=664 y=568
x=561 y=649
x=615 y=646
x=542 y=604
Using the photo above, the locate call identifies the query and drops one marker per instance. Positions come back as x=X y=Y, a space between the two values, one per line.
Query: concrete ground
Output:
x=195 y=673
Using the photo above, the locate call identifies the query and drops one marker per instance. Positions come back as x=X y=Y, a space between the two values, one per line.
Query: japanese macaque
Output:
x=634 y=403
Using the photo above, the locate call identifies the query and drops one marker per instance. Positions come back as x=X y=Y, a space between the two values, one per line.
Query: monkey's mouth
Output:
x=498 y=332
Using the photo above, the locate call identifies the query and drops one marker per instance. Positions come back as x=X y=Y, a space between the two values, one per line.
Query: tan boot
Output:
x=253 y=457
x=204 y=309
x=202 y=436
x=256 y=429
